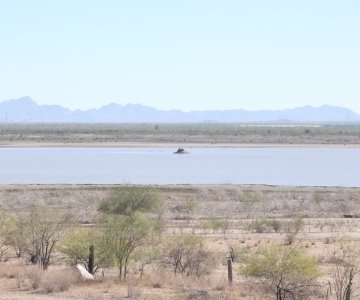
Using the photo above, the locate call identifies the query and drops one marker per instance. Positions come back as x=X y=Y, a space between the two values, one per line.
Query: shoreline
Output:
x=105 y=186
x=173 y=145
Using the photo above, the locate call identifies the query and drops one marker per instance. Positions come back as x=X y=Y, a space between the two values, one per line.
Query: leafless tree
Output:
x=43 y=228
x=185 y=254
x=343 y=273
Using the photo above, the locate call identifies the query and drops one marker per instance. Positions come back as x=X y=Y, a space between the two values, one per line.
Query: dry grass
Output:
x=35 y=276
x=28 y=278
x=58 y=280
x=232 y=202
x=55 y=284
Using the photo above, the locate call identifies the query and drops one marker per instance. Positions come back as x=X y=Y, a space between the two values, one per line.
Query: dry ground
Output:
x=177 y=135
x=236 y=202
x=190 y=209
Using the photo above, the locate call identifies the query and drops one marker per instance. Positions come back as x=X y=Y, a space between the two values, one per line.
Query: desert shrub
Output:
x=126 y=224
x=343 y=274
x=41 y=230
x=75 y=245
x=282 y=271
x=11 y=270
x=4 y=252
x=6 y=222
x=133 y=291
x=185 y=254
x=265 y=225
x=292 y=229
x=34 y=275
x=275 y=224
x=252 y=196
x=129 y=200
x=329 y=240
x=185 y=210
x=122 y=235
x=317 y=197
x=213 y=223
x=259 y=226
x=14 y=235
x=146 y=255
x=58 y=280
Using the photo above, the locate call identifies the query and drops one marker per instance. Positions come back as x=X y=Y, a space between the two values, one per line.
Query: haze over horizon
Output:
x=27 y=110
x=188 y=55
x=30 y=99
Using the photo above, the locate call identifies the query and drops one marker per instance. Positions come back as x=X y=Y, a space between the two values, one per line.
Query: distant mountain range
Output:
x=26 y=110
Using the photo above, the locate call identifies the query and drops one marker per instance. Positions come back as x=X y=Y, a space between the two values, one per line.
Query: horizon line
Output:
x=176 y=109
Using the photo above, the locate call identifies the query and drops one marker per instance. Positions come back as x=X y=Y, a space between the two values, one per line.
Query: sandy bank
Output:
x=171 y=145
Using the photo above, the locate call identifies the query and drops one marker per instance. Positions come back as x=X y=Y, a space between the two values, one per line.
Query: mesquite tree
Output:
x=124 y=234
x=43 y=228
x=283 y=271
x=131 y=215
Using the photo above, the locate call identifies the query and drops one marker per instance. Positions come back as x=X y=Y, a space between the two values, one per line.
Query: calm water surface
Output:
x=275 y=166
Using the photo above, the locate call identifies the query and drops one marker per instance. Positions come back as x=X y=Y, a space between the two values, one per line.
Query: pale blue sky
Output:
x=187 y=54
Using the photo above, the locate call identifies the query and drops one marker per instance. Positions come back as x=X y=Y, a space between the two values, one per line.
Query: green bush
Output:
x=122 y=235
x=75 y=245
x=214 y=223
x=283 y=271
x=129 y=200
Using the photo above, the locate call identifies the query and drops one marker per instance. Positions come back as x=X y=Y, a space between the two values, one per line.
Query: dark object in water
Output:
x=180 y=151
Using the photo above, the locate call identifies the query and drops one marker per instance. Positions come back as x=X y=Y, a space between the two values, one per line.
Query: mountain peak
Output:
x=25 y=99
x=25 y=109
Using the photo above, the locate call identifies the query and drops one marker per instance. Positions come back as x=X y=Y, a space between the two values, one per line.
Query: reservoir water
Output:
x=273 y=166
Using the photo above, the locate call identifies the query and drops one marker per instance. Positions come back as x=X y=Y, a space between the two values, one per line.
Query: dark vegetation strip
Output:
x=192 y=133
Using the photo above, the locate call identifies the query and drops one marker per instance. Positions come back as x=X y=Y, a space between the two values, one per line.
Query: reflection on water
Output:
x=275 y=166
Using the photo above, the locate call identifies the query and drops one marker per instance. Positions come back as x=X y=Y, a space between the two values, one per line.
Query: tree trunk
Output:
x=142 y=270
x=120 y=272
x=279 y=295
x=348 y=287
